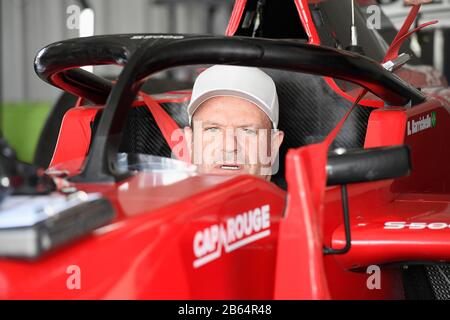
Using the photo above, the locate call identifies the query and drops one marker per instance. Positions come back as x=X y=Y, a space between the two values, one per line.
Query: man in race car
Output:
x=233 y=115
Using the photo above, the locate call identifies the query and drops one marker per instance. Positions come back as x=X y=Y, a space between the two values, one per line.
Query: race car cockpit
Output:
x=309 y=109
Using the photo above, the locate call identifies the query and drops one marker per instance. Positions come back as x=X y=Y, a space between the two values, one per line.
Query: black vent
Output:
x=439 y=277
x=427 y=282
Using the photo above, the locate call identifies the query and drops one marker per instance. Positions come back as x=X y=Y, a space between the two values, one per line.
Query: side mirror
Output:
x=368 y=165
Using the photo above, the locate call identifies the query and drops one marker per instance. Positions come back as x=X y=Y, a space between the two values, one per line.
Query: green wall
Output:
x=21 y=125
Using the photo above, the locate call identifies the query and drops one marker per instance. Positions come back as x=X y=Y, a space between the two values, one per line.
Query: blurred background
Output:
x=26 y=26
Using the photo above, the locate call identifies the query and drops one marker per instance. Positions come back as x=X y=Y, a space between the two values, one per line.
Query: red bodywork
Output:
x=149 y=251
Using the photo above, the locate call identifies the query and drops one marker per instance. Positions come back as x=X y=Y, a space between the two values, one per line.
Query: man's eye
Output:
x=248 y=131
x=212 y=129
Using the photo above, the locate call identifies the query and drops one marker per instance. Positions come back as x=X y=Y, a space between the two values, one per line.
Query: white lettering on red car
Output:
x=233 y=234
x=398 y=225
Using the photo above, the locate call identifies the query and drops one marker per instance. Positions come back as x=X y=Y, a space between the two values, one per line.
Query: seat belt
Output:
x=170 y=130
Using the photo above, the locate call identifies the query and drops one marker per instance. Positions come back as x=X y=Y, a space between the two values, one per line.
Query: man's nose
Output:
x=230 y=143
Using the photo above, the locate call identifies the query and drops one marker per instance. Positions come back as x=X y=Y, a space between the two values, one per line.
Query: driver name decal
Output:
x=236 y=232
x=424 y=122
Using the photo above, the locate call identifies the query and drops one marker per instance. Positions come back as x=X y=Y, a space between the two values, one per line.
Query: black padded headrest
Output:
x=309 y=110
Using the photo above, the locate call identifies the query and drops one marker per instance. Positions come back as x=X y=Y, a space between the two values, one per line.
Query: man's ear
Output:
x=188 y=135
x=277 y=140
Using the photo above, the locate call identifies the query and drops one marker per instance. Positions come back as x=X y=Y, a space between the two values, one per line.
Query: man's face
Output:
x=232 y=136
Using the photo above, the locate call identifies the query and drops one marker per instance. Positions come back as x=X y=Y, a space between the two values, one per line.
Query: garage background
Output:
x=28 y=25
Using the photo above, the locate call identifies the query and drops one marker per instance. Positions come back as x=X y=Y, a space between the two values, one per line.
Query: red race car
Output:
x=359 y=208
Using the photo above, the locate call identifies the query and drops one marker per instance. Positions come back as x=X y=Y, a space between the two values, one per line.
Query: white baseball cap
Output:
x=248 y=83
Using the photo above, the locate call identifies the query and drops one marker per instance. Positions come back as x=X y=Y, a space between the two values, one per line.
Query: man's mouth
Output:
x=230 y=167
